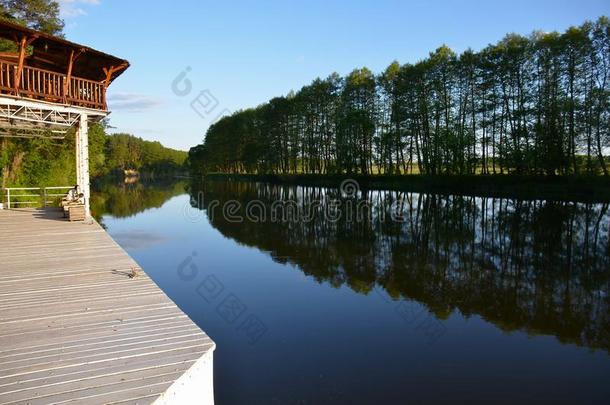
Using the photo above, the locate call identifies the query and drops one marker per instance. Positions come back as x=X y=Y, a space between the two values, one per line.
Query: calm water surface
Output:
x=400 y=298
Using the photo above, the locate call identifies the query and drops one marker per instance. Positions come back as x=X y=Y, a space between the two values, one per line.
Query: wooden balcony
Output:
x=48 y=68
x=40 y=84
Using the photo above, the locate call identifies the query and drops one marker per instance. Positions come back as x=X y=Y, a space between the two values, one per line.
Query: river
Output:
x=316 y=295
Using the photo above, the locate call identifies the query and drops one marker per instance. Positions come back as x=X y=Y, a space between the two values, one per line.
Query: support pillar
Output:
x=82 y=162
x=77 y=154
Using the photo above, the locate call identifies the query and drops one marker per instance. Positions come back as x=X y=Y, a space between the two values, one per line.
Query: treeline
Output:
x=127 y=152
x=47 y=162
x=528 y=105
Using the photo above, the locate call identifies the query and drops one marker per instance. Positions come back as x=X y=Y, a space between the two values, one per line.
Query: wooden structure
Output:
x=49 y=85
x=49 y=68
x=80 y=323
x=75 y=213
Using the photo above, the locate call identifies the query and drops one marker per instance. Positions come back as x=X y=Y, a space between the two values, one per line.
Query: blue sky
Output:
x=242 y=53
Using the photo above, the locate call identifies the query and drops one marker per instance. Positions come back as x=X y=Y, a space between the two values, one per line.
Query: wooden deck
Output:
x=75 y=327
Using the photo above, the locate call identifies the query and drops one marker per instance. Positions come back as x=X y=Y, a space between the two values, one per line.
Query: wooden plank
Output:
x=80 y=382
x=75 y=327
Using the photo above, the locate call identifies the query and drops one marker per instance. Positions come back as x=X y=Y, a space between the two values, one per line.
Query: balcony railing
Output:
x=50 y=86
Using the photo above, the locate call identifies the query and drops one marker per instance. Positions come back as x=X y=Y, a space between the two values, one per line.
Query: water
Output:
x=382 y=297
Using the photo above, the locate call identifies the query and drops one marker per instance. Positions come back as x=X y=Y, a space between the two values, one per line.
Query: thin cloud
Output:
x=75 y=8
x=132 y=102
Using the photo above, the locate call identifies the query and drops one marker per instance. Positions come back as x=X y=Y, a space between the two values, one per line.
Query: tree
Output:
x=537 y=104
x=41 y=15
x=356 y=125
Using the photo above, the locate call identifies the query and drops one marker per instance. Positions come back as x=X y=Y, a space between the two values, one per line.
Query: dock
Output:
x=80 y=322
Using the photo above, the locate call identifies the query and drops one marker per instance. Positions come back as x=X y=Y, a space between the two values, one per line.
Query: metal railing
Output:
x=19 y=197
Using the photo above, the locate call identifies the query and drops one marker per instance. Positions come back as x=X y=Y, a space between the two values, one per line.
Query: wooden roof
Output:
x=53 y=53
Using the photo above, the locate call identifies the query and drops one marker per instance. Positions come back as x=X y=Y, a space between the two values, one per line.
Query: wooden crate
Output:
x=76 y=213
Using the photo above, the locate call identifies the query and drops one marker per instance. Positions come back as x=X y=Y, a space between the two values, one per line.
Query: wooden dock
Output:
x=77 y=326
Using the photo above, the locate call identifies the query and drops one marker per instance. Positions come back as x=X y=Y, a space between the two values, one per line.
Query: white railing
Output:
x=18 y=197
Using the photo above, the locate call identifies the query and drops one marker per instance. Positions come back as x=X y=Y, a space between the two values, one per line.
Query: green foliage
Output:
x=45 y=162
x=537 y=105
x=41 y=15
x=127 y=152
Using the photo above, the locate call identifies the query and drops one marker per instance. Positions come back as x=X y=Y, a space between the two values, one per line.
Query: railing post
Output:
x=8 y=198
x=44 y=197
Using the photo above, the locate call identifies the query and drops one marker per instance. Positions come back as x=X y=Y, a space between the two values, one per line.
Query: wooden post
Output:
x=8 y=198
x=68 y=84
x=23 y=44
x=68 y=77
x=22 y=47
x=108 y=72
x=82 y=161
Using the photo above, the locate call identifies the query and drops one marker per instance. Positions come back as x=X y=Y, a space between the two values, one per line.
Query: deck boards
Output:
x=74 y=327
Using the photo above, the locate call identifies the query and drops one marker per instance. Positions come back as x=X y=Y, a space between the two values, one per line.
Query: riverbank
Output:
x=571 y=188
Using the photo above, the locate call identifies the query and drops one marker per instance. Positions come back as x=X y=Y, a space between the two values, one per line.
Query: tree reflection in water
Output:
x=123 y=199
x=538 y=266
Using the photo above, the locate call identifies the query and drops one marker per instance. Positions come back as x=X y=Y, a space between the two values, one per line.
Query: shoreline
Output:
x=563 y=188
